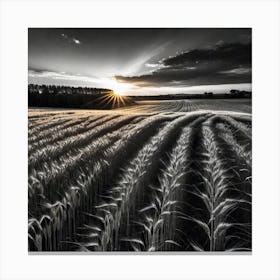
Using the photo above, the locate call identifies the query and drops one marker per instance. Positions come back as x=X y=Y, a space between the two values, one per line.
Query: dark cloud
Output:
x=37 y=70
x=233 y=53
x=219 y=64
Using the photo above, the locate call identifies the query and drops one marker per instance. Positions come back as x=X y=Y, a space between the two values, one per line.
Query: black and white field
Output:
x=156 y=176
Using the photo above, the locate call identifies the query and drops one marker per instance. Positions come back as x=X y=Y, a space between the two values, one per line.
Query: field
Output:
x=156 y=176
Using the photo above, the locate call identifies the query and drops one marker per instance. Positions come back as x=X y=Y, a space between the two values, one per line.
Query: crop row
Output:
x=157 y=183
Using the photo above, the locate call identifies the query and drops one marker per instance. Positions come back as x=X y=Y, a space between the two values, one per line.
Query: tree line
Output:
x=71 y=97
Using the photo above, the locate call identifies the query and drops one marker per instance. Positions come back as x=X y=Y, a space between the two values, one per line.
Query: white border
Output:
x=262 y=16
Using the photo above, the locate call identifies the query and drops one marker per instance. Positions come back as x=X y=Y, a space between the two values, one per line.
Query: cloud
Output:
x=50 y=77
x=34 y=73
x=70 y=39
x=152 y=65
x=237 y=71
x=237 y=53
x=220 y=64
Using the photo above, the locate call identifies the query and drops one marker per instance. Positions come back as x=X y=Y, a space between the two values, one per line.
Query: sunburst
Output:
x=112 y=98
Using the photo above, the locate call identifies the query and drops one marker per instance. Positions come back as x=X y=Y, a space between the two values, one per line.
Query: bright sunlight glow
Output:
x=113 y=98
x=117 y=93
x=118 y=88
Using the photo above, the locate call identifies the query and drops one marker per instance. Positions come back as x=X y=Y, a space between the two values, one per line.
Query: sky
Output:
x=143 y=61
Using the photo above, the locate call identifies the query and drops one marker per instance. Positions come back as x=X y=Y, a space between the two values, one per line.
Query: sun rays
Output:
x=112 y=98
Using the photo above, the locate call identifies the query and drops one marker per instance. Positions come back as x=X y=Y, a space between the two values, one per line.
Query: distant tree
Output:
x=234 y=91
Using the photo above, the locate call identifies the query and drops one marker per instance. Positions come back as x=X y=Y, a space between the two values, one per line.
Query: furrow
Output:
x=91 y=171
x=154 y=222
x=43 y=179
x=45 y=134
x=74 y=142
x=52 y=122
x=214 y=198
x=58 y=136
x=242 y=151
x=135 y=176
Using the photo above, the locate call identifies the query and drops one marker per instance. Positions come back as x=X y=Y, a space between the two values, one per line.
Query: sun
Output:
x=112 y=98
x=117 y=93
x=119 y=88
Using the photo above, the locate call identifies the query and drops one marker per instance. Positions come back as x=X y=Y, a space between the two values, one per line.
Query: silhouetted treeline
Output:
x=240 y=93
x=207 y=95
x=72 y=97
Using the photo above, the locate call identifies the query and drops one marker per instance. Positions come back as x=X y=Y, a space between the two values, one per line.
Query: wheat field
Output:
x=159 y=176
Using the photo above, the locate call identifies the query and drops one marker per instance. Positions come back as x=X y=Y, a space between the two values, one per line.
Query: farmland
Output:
x=155 y=176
